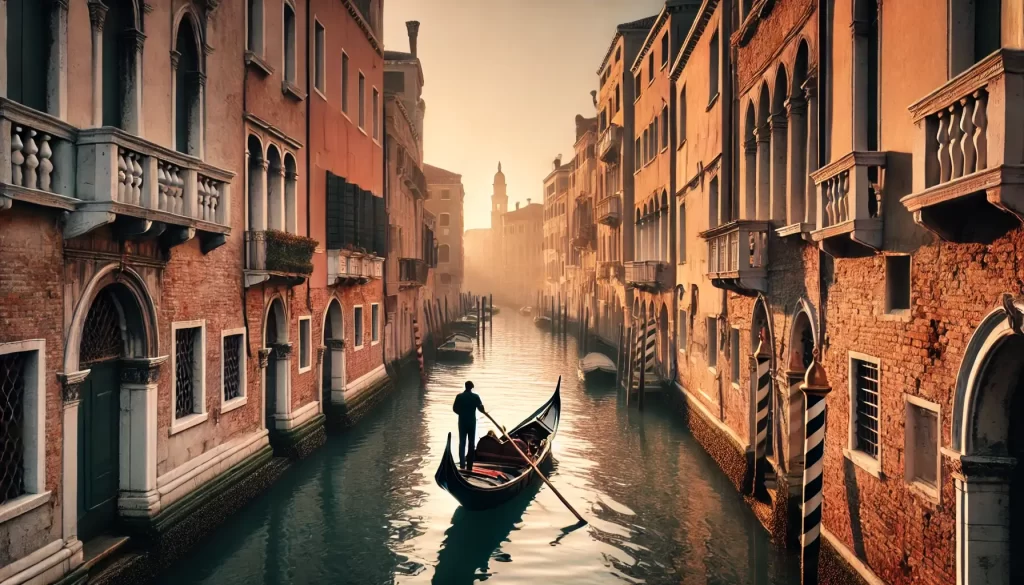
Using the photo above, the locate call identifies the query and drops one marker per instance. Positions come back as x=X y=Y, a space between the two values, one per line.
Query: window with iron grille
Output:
x=188 y=357
x=13 y=368
x=865 y=403
x=234 y=387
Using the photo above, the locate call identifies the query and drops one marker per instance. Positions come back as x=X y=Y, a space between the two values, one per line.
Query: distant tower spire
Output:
x=499 y=166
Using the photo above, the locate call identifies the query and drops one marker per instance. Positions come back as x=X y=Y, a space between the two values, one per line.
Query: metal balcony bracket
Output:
x=210 y=242
x=83 y=221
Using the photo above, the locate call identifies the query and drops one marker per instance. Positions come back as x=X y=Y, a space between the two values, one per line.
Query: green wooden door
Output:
x=97 y=450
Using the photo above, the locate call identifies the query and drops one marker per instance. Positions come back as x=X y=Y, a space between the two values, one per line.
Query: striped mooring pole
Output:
x=815 y=388
x=419 y=345
x=762 y=364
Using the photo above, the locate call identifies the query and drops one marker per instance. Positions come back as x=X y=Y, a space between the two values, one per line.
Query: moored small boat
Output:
x=466 y=324
x=499 y=472
x=456 y=347
x=542 y=321
x=596 y=366
x=525 y=310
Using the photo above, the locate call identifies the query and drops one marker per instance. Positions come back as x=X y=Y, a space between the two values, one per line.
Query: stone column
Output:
x=983 y=520
x=258 y=193
x=263 y=355
x=796 y=110
x=778 y=125
x=97 y=14
x=764 y=164
x=71 y=385
x=57 y=68
x=138 y=494
x=131 y=106
x=811 y=193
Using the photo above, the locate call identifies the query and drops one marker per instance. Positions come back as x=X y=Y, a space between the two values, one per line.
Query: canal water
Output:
x=365 y=510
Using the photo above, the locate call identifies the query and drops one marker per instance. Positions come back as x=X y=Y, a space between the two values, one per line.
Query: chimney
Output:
x=558 y=161
x=414 y=33
x=527 y=200
x=593 y=96
x=517 y=206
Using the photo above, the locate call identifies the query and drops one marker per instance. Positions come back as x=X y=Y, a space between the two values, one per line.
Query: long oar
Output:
x=530 y=461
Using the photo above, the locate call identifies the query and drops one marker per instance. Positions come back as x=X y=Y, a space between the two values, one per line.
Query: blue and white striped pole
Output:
x=815 y=388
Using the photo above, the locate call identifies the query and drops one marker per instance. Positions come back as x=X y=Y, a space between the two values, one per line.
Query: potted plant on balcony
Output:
x=289 y=253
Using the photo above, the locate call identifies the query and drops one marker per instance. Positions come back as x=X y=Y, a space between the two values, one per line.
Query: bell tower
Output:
x=499 y=200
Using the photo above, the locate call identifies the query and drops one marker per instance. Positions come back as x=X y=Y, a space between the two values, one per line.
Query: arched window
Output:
x=122 y=45
x=27 y=49
x=257 y=185
x=289 y=43
x=443 y=253
x=188 y=90
x=254 y=40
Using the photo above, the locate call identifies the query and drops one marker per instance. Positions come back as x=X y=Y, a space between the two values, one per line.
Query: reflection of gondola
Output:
x=499 y=473
x=471 y=541
x=457 y=347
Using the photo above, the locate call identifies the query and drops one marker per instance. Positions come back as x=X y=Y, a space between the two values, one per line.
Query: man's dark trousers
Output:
x=467 y=444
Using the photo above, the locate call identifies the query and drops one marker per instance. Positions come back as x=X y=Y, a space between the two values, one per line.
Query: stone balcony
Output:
x=649 y=275
x=609 y=210
x=610 y=270
x=277 y=256
x=412 y=273
x=968 y=155
x=849 y=222
x=584 y=236
x=738 y=256
x=609 y=145
x=105 y=176
x=350 y=267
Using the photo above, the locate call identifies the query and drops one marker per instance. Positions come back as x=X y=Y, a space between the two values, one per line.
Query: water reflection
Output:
x=365 y=510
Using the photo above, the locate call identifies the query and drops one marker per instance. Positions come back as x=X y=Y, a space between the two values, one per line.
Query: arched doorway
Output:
x=276 y=338
x=334 y=361
x=762 y=398
x=989 y=399
x=802 y=341
x=114 y=329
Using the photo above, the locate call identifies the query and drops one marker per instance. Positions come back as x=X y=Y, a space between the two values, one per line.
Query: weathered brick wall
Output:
x=773 y=33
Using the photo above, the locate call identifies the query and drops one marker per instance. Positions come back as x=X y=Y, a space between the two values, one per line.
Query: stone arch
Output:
x=136 y=306
x=803 y=335
x=278 y=379
x=988 y=398
x=291 y=177
x=188 y=82
x=333 y=331
x=801 y=204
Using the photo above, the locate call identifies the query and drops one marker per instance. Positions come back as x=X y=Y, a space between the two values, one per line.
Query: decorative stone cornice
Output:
x=175 y=58
x=763 y=133
x=795 y=106
x=264 y=357
x=320 y=354
x=143 y=371
x=282 y=350
x=97 y=14
x=135 y=39
x=777 y=122
x=982 y=468
x=71 y=386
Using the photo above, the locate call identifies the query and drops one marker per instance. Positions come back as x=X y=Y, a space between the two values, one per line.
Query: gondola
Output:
x=499 y=472
x=456 y=347
x=597 y=366
x=542 y=321
x=467 y=324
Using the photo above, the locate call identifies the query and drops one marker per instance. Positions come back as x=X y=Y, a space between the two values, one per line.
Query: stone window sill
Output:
x=233 y=404
x=292 y=91
x=183 y=424
x=864 y=461
x=257 y=63
x=928 y=492
x=22 y=505
x=712 y=101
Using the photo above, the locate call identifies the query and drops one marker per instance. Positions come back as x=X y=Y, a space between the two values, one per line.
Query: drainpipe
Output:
x=387 y=239
x=245 y=208
x=309 y=183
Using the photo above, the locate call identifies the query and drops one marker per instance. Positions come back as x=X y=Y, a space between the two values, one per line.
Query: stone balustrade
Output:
x=609 y=210
x=849 y=206
x=738 y=256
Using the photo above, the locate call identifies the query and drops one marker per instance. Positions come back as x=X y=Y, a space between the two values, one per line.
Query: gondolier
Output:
x=466 y=405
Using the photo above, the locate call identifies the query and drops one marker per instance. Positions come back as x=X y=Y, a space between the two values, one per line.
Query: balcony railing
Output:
x=584 y=236
x=276 y=255
x=346 y=267
x=609 y=145
x=649 y=275
x=968 y=152
x=104 y=174
x=412 y=272
x=850 y=204
x=609 y=210
x=738 y=256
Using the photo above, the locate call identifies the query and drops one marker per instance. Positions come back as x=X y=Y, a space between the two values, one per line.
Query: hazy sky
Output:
x=504 y=81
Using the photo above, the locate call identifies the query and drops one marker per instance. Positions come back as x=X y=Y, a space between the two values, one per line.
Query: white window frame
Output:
x=309 y=353
x=872 y=465
x=361 y=101
x=181 y=424
x=34 y=455
x=358 y=318
x=243 y=366
x=345 y=60
x=934 y=494
x=374 y=323
x=320 y=58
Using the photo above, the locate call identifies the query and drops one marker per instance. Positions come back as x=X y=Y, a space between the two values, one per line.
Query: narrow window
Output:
x=188 y=370
x=712 y=329
x=897 y=283
x=682 y=116
x=305 y=341
x=713 y=67
x=713 y=203
x=255 y=30
x=376 y=114
x=647 y=145
x=187 y=92
x=358 y=320
x=320 y=56
x=637 y=86
x=987 y=28
x=233 y=366
x=650 y=67
x=618 y=98
x=374 y=323
x=289 y=43
x=681 y=233
x=734 y=353
x=13 y=429
x=865 y=415
x=654 y=137
x=362 y=100
x=664 y=49
x=344 y=82
x=664 y=127
x=637 y=155
x=922 y=444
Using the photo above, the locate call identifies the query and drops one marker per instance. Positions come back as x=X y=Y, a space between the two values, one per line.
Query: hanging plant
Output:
x=289 y=253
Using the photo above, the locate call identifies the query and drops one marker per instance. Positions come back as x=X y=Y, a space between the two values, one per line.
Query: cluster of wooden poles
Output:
x=558 y=311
